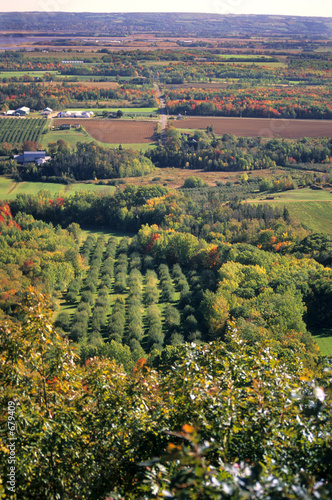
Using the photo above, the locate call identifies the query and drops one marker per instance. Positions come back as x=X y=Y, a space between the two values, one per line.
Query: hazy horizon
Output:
x=320 y=8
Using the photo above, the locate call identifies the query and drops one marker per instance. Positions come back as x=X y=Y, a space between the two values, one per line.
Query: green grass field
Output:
x=19 y=74
x=243 y=56
x=305 y=194
x=314 y=215
x=9 y=189
x=324 y=341
x=312 y=208
x=71 y=136
x=59 y=77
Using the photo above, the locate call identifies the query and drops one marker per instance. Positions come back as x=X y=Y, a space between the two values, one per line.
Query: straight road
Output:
x=162 y=111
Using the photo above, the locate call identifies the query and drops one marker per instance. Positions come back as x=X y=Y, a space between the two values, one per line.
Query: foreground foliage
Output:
x=84 y=432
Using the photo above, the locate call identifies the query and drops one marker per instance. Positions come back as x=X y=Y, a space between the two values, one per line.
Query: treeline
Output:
x=35 y=253
x=202 y=213
x=202 y=150
x=38 y=96
x=86 y=162
x=289 y=102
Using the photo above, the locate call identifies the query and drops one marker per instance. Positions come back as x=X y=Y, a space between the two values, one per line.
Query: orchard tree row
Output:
x=125 y=297
x=17 y=131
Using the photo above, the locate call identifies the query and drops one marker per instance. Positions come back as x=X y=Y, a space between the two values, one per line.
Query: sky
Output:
x=277 y=7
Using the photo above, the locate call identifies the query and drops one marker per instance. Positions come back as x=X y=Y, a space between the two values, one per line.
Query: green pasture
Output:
x=243 y=56
x=324 y=341
x=314 y=215
x=312 y=208
x=157 y=63
x=305 y=194
x=58 y=76
x=71 y=136
x=9 y=189
x=94 y=78
x=19 y=74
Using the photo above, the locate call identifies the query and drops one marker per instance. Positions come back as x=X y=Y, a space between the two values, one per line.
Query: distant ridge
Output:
x=168 y=24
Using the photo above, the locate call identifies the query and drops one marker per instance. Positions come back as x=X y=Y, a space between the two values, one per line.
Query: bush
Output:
x=193 y=182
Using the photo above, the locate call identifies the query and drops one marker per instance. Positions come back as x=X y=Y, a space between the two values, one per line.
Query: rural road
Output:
x=163 y=116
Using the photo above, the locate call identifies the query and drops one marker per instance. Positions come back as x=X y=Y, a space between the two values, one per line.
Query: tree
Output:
x=193 y=182
x=36 y=358
x=86 y=430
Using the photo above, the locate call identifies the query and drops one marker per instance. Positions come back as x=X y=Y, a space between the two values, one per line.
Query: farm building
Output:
x=23 y=111
x=65 y=126
x=75 y=114
x=37 y=157
x=46 y=111
x=72 y=62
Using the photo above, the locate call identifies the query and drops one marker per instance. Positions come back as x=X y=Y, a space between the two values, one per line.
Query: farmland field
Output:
x=9 y=189
x=101 y=85
x=324 y=340
x=198 y=85
x=126 y=111
x=74 y=136
x=255 y=127
x=116 y=131
x=71 y=136
x=109 y=84
x=19 y=74
x=305 y=194
x=312 y=208
x=314 y=215
x=18 y=130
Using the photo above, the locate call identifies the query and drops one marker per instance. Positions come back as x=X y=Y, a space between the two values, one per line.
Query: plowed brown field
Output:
x=115 y=131
x=265 y=127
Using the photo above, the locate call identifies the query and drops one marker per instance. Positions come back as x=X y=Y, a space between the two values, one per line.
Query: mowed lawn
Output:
x=9 y=189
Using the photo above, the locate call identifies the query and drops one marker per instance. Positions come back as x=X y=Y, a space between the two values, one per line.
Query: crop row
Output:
x=17 y=130
x=128 y=298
